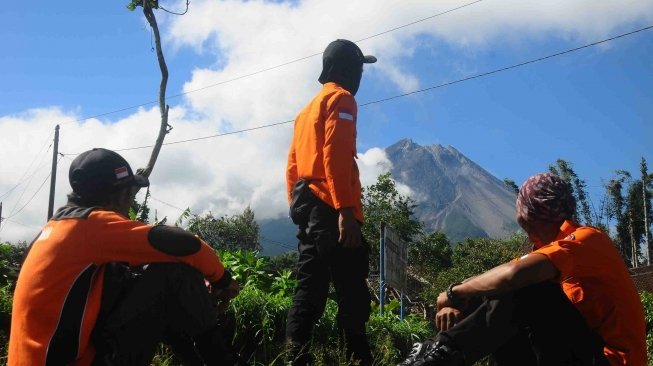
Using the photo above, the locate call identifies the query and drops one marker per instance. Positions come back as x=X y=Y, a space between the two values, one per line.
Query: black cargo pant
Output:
x=323 y=260
x=536 y=325
x=166 y=302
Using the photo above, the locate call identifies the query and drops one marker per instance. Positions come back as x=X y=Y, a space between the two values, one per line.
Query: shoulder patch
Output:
x=346 y=113
x=173 y=240
x=571 y=237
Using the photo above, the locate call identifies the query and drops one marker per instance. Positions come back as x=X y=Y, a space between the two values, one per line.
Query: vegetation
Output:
x=255 y=320
x=239 y=231
x=382 y=203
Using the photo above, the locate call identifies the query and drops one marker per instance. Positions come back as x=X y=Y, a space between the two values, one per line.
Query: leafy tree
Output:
x=473 y=257
x=617 y=211
x=382 y=203
x=282 y=262
x=430 y=254
x=631 y=211
x=564 y=170
x=140 y=211
x=240 y=231
x=635 y=213
x=511 y=184
x=647 y=185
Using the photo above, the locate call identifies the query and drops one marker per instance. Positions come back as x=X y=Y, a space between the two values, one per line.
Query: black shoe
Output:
x=432 y=353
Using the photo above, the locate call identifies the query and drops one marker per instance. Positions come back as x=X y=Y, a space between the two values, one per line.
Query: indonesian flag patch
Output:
x=345 y=113
x=122 y=172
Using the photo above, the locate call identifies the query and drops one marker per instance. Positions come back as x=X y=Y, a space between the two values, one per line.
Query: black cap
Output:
x=344 y=50
x=102 y=171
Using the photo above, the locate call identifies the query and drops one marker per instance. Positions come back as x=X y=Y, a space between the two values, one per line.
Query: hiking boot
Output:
x=433 y=353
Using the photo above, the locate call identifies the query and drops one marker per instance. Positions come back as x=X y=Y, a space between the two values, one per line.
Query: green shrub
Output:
x=647 y=302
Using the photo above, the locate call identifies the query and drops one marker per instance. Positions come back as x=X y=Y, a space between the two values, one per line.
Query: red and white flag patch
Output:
x=345 y=113
x=121 y=172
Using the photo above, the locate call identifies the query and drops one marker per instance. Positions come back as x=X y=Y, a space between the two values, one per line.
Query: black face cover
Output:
x=343 y=71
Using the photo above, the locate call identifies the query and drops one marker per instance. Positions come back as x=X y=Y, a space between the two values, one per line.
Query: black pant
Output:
x=536 y=325
x=166 y=302
x=322 y=260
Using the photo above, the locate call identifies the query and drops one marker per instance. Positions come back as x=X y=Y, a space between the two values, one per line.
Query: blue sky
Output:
x=63 y=62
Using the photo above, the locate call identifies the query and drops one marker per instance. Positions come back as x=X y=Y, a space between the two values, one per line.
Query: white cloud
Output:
x=225 y=174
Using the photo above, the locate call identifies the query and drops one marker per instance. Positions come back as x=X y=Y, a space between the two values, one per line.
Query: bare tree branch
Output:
x=163 y=108
x=172 y=12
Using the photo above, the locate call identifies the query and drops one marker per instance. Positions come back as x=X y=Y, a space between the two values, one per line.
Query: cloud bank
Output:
x=225 y=174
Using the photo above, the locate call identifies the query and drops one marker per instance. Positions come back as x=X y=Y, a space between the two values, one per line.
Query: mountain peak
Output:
x=454 y=194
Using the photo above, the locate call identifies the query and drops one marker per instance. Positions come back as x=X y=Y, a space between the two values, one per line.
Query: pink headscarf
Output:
x=546 y=197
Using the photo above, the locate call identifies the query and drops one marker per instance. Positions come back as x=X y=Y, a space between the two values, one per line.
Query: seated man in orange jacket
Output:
x=324 y=193
x=77 y=302
x=571 y=301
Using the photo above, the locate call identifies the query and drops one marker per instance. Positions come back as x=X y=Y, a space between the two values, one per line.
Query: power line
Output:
x=167 y=204
x=28 y=180
x=20 y=180
x=34 y=195
x=19 y=223
x=277 y=243
x=269 y=68
x=509 y=67
x=445 y=84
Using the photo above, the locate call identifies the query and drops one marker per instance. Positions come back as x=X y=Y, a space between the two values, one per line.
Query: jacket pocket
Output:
x=301 y=203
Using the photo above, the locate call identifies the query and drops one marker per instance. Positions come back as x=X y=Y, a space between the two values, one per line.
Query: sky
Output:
x=82 y=67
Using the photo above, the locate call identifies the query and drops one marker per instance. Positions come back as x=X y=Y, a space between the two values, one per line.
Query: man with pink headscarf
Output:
x=570 y=301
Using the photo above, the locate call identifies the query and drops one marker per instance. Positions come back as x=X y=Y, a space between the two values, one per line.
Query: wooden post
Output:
x=53 y=174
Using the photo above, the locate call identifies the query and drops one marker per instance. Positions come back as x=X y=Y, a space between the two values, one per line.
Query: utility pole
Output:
x=53 y=174
x=0 y=214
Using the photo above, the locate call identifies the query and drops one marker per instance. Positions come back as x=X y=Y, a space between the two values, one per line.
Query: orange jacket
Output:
x=59 y=289
x=596 y=281
x=323 y=149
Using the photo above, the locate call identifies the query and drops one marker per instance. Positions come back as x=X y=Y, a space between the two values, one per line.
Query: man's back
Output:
x=59 y=290
x=596 y=280
x=324 y=147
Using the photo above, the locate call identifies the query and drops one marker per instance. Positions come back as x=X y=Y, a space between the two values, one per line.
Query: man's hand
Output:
x=443 y=301
x=350 y=229
x=446 y=318
x=223 y=296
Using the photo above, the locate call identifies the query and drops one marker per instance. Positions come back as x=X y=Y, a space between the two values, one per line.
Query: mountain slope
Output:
x=454 y=194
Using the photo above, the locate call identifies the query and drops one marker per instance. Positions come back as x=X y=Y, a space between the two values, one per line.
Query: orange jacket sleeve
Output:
x=340 y=149
x=291 y=171
x=137 y=243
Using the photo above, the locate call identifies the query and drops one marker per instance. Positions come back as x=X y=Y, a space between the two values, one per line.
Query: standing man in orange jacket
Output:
x=324 y=193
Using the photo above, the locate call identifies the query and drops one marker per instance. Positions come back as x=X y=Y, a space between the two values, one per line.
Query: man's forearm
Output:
x=508 y=277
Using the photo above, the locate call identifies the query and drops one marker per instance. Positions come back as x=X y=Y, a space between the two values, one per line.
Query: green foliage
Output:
x=647 y=302
x=284 y=285
x=240 y=231
x=564 y=170
x=511 y=184
x=430 y=254
x=475 y=256
x=154 y=4
x=382 y=203
x=260 y=323
x=11 y=258
x=281 y=262
x=247 y=268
